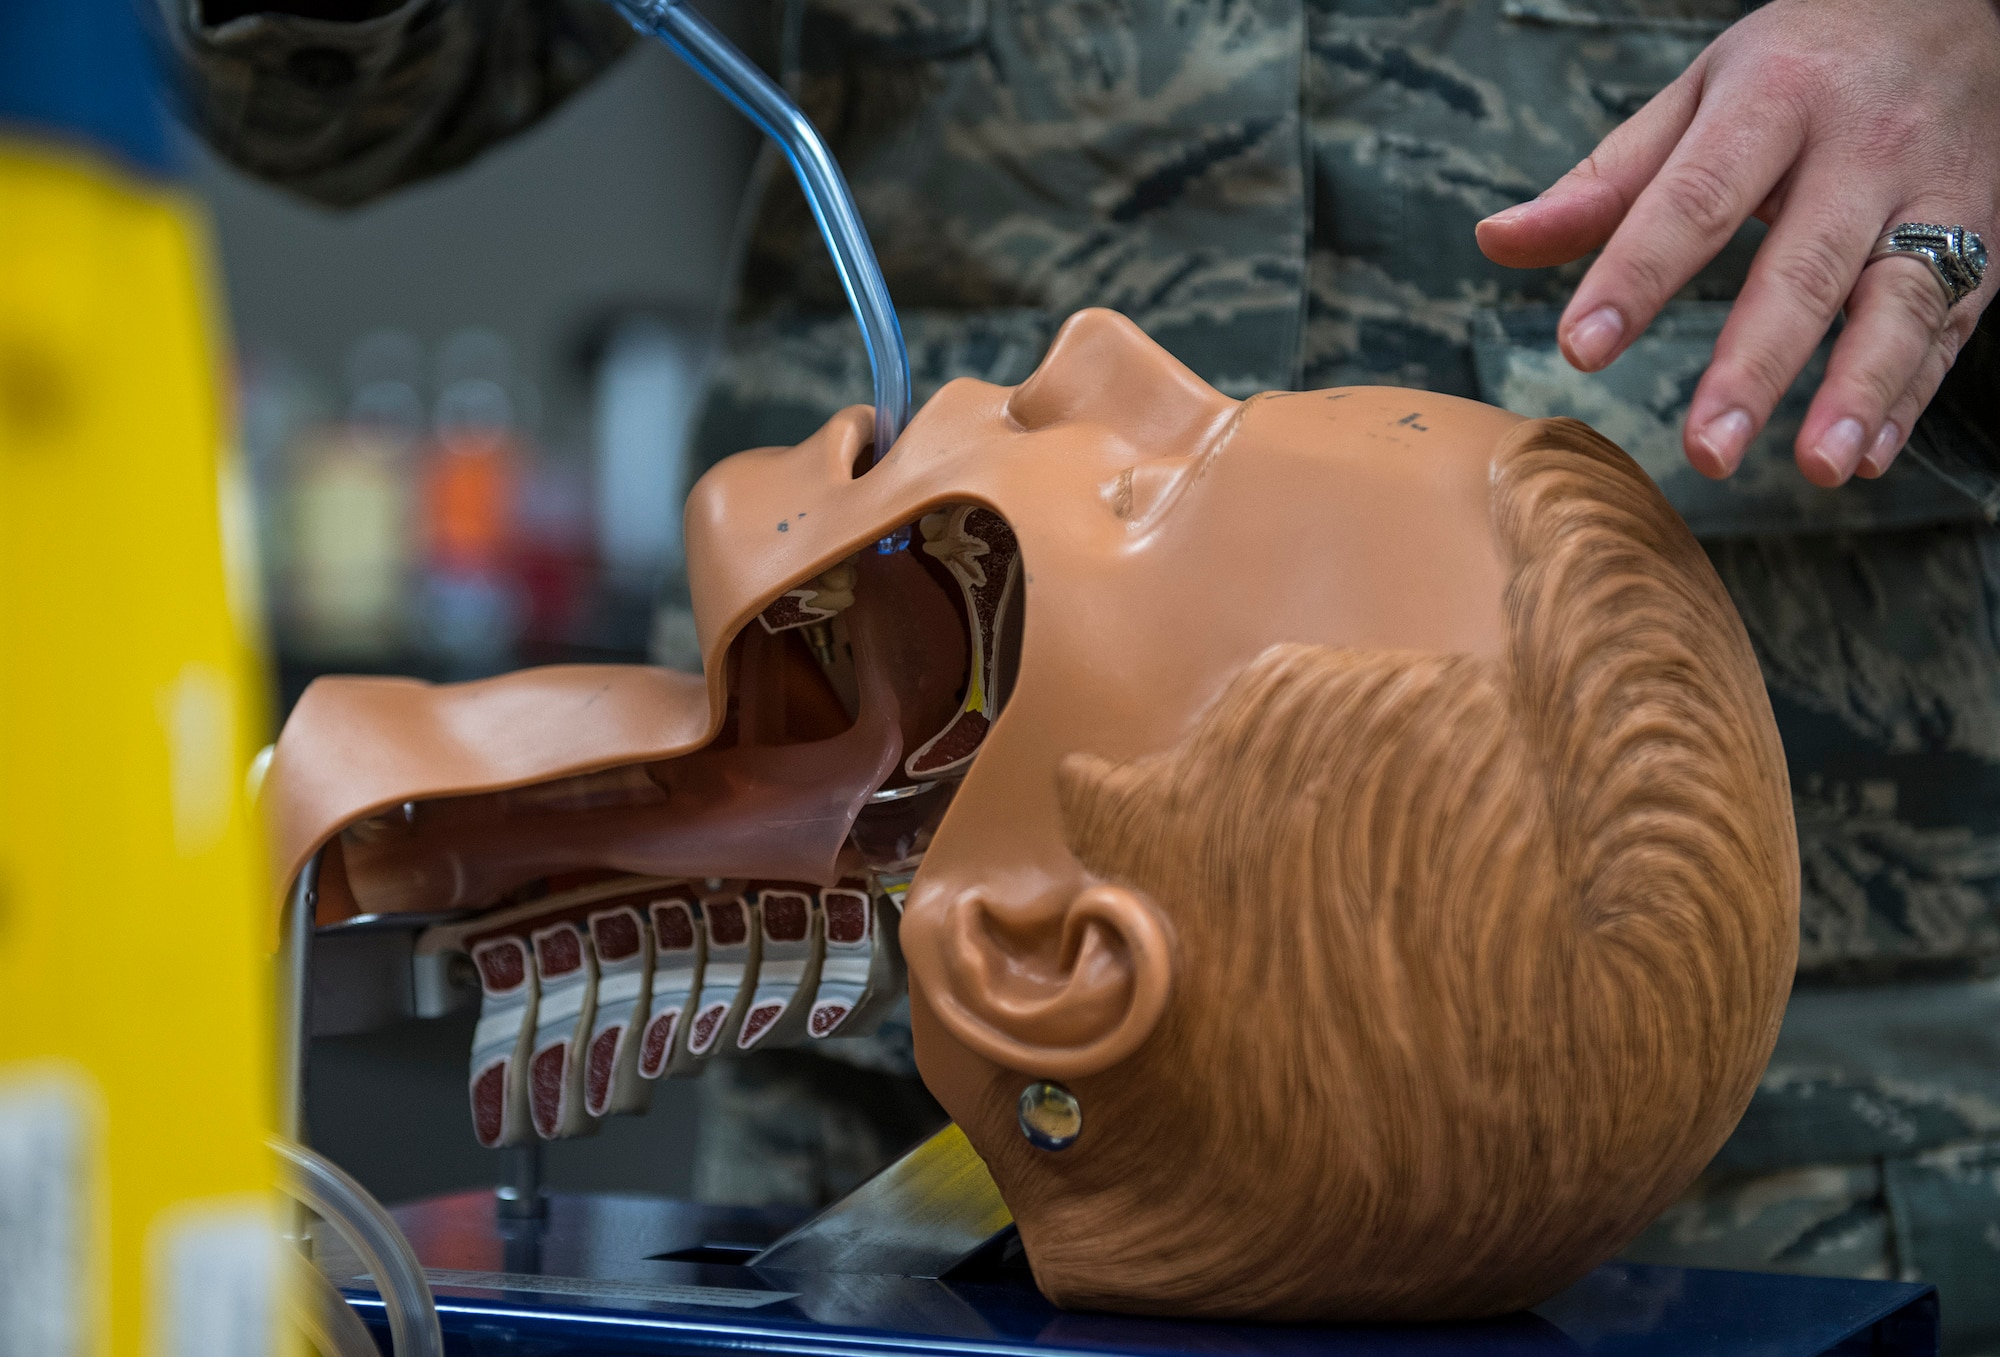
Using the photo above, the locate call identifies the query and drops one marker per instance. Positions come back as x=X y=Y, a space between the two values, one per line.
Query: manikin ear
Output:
x=1061 y=993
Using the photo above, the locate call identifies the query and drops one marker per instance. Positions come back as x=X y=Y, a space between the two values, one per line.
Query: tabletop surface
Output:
x=604 y=1273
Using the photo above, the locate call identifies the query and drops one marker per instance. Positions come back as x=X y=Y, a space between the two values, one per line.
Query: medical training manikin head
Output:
x=1363 y=804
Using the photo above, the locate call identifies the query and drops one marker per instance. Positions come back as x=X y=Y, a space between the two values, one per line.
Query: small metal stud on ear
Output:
x=1051 y=1117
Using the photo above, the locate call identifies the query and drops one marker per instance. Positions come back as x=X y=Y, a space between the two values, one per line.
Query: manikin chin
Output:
x=1363 y=804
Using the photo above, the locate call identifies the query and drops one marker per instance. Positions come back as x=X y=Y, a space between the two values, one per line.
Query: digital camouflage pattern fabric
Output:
x=793 y=1128
x=1283 y=193
x=1872 y=1149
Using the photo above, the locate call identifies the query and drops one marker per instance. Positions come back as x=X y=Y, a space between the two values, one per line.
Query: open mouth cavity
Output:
x=858 y=700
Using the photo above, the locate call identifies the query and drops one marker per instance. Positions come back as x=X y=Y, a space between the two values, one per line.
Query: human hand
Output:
x=1831 y=121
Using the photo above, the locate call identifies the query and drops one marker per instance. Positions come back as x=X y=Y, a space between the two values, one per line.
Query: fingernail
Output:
x=1592 y=339
x=1879 y=456
x=1726 y=436
x=1840 y=447
x=1508 y=214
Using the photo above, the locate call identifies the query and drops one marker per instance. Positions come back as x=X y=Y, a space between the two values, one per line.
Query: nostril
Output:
x=1040 y=401
x=864 y=457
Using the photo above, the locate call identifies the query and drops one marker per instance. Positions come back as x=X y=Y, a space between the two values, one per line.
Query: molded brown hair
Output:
x=1479 y=962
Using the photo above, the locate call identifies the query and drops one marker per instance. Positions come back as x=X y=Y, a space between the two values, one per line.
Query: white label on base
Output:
x=214 y=1280
x=45 y=1162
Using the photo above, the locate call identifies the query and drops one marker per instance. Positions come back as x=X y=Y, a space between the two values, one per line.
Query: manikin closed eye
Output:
x=1363 y=805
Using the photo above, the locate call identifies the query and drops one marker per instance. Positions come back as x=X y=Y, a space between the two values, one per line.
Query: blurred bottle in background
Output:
x=648 y=386
x=276 y=399
x=347 y=544
x=412 y=524
x=555 y=559
x=470 y=603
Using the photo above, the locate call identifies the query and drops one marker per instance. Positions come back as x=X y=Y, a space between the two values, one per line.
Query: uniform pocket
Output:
x=1640 y=402
x=1620 y=52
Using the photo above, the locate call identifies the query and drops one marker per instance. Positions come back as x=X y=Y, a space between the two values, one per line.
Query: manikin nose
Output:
x=1103 y=369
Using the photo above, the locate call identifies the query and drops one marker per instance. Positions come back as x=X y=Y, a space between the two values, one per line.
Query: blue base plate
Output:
x=617 y=1274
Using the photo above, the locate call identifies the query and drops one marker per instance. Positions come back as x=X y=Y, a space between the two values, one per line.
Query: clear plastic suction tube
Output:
x=696 y=42
x=398 y=1276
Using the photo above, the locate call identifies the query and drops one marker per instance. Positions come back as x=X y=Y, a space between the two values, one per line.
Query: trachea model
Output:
x=1338 y=840
x=566 y=973
x=862 y=976
x=788 y=970
x=589 y=995
x=502 y=1041
x=735 y=946
x=622 y=941
x=680 y=954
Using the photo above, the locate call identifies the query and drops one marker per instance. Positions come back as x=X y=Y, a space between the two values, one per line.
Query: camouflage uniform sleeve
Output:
x=342 y=111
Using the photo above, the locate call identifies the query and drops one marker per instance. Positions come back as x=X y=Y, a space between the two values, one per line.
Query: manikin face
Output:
x=1167 y=535
x=906 y=668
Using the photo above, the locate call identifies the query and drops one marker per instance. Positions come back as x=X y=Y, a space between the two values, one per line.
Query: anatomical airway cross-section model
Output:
x=590 y=994
x=633 y=921
x=1373 y=781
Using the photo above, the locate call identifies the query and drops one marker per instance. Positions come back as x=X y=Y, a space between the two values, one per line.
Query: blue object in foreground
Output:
x=637 y=1275
x=81 y=72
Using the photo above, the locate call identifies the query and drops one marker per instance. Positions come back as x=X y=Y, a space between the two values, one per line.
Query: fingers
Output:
x=1726 y=165
x=1803 y=272
x=1579 y=212
x=1902 y=416
x=1894 y=320
x=1894 y=433
x=1776 y=122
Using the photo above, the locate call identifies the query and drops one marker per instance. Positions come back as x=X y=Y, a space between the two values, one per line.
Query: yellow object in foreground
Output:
x=135 y=1207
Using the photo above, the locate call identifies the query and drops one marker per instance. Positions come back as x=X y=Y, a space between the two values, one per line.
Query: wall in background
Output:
x=390 y=1108
x=626 y=195
x=625 y=199
x=421 y=405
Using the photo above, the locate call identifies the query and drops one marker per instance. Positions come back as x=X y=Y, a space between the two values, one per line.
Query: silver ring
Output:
x=1957 y=255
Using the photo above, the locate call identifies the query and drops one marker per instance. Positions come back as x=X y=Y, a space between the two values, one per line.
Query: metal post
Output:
x=295 y=1000
x=294 y=984
x=519 y=1195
